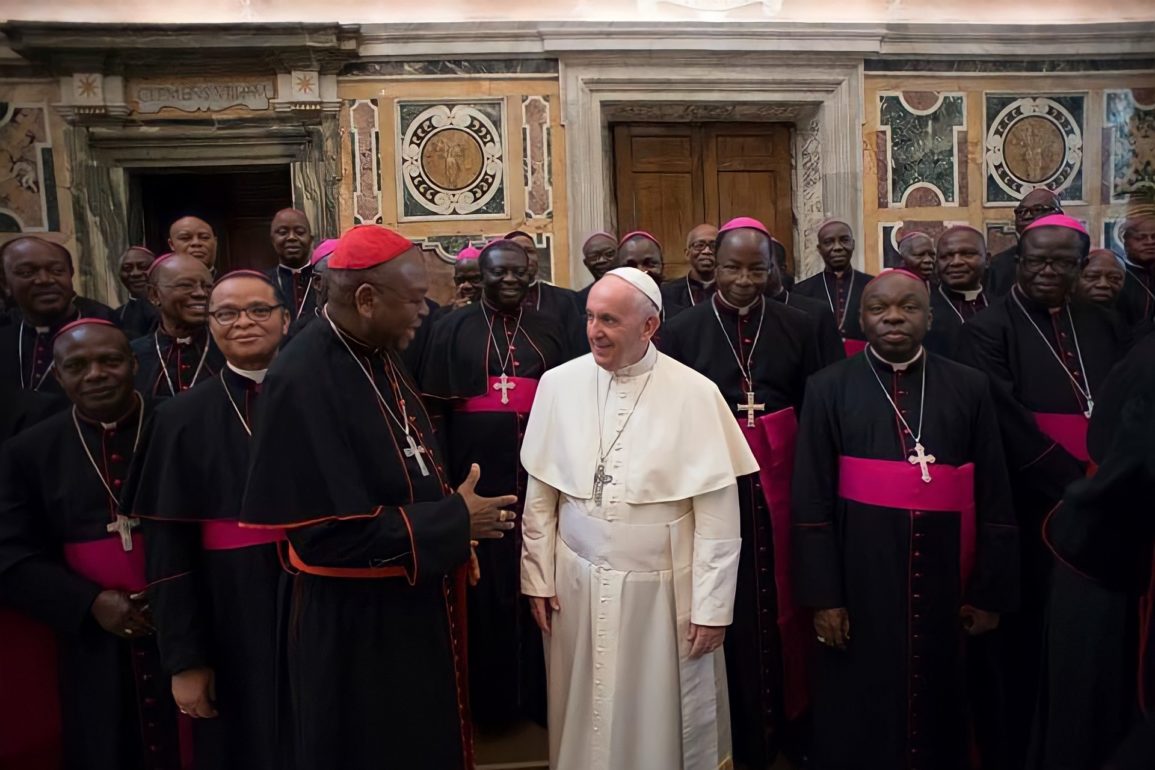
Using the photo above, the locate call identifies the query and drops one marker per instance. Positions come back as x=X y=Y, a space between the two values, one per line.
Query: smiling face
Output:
x=620 y=322
x=1050 y=259
x=836 y=245
x=194 y=238
x=600 y=255
x=642 y=253
x=388 y=300
x=292 y=237
x=743 y=266
x=1102 y=278
x=39 y=278
x=134 y=265
x=467 y=279
x=247 y=342
x=895 y=315
x=530 y=247
x=95 y=367
x=1139 y=240
x=179 y=287
x=918 y=254
x=962 y=259
x=505 y=276
x=700 y=252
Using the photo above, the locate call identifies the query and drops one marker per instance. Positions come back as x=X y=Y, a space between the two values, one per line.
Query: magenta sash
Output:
x=1068 y=430
x=899 y=484
x=520 y=397
x=228 y=535
x=771 y=441
x=853 y=347
x=107 y=564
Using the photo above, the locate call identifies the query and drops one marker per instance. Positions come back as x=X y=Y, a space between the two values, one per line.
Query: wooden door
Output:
x=671 y=177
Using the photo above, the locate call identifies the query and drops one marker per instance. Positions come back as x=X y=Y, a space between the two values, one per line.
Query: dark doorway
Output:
x=239 y=203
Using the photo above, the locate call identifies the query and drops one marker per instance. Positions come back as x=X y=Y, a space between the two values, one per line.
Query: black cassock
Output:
x=829 y=341
x=411 y=356
x=214 y=587
x=563 y=306
x=949 y=310
x=843 y=295
x=295 y=288
x=686 y=292
x=1002 y=272
x=1100 y=610
x=26 y=350
x=461 y=376
x=168 y=366
x=895 y=699
x=56 y=556
x=764 y=666
x=1044 y=432
x=136 y=317
x=1136 y=303
x=374 y=641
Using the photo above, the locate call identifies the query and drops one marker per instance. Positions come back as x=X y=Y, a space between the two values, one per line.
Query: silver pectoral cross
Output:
x=922 y=460
x=600 y=481
x=1090 y=408
x=504 y=386
x=750 y=407
x=123 y=526
x=416 y=451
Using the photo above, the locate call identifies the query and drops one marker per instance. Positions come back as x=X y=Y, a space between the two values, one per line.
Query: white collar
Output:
x=642 y=365
x=293 y=270
x=256 y=375
x=902 y=367
x=742 y=311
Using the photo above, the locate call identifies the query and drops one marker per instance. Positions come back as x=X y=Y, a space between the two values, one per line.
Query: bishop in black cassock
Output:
x=215 y=587
x=829 y=341
x=698 y=284
x=1137 y=300
x=959 y=294
x=38 y=274
x=599 y=255
x=759 y=353
x=904 y=539
x=292 y=239
x=839 y=285
x=345 y=458
x=137 y=316
x=180 y=352
x=481 y=370
x=1047 y=359
x=1003 y=271
x=70 y=560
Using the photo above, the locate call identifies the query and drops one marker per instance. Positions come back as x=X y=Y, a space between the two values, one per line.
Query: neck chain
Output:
x=88 y=452
x=164 y=367
x=919 y=456
x=690 y=289
x=233 y=403
x=747 y=369
x=509 y=343
x=950 y=302
x=830 y=300
x=600 y=477
x=1084 y=392
x=20 y=360
x=308 y=287
x=415 y=448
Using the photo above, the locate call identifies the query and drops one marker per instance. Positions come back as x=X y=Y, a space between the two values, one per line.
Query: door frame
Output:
x=821 y=97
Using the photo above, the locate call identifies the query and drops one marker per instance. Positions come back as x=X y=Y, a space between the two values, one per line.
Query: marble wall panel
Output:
x=365 y=138
x=537 y=137
x=28 y=196
x=1129 y=146
x=1033 y=141
x=920 y=138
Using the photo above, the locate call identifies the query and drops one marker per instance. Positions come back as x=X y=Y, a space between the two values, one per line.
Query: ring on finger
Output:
x=822 y=640
x=128 y=632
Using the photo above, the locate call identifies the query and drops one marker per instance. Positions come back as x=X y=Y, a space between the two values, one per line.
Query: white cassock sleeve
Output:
x=717 y=545
x=539 y=539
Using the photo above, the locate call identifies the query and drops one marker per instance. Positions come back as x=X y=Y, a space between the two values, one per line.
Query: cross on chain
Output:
x=504 y=386
x=416 y=451
x=922 y=460
x=600 y=481
x=750 y=408
x=123 y=526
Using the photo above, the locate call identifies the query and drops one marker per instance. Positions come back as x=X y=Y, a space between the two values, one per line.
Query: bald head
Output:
x=700 y=252
x=195 y=238
x=134 y=264
x=917 y=252
x=836 y=245
x=1139 y=238
x=1037 y=203
x=38 y=274
x=895 y=314
x=95 y=367
x=292 y=237
x=179 y=287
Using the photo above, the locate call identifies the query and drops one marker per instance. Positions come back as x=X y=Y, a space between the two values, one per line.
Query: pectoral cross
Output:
x=600 y=481
x=1090 y=408
x=504 y=386
x=123 y=526
x=750 y=408
x=416 y=451
x=922 y=460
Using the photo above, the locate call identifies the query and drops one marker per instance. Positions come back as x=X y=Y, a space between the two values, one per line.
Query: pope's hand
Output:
x=705 y=639
x=488 y=517
x=542 y=608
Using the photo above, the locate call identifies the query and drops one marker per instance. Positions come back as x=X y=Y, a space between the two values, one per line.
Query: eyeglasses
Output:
x=188 y=287
x=1036 y=264
x=227 y=316
x=698 y=246
x=1034 y=212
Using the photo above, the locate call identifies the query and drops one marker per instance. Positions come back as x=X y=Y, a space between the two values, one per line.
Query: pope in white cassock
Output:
x=631 y=542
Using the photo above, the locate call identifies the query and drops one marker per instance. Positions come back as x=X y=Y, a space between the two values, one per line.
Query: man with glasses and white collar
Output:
x=1035 y=204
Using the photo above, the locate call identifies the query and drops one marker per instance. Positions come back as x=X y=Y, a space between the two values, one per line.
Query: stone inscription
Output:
x=201 y=97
